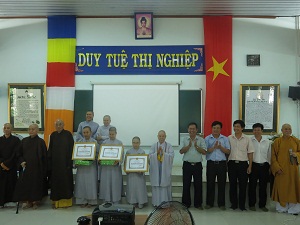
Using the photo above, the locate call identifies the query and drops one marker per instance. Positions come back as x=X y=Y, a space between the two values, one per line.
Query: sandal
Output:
x=34 y=205
x=83 y=205
x=27 y=205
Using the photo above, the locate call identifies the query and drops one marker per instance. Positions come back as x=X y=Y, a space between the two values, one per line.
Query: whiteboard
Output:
x=139 y=110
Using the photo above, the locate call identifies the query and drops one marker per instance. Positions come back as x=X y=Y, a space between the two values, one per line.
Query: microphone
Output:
x=291 y=156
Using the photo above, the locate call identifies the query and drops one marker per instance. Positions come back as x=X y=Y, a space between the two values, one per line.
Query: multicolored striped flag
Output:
x=60 y=80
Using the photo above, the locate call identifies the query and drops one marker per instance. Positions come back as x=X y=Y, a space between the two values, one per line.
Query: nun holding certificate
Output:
x=136 y=192
x=86 y=177
x=111 y=180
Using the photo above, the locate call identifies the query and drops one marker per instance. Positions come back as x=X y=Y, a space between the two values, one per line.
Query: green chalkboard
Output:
x=83 y=102
x=190 y=107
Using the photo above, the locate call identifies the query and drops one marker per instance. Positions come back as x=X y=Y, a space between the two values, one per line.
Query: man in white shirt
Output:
x=193 y=147
x=239 y=165
x=260 y=168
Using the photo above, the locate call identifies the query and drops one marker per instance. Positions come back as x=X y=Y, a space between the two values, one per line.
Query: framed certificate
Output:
x=26 y=105
x=110 y=152
x=136 y=163
x=84 y=151
x=259 y=103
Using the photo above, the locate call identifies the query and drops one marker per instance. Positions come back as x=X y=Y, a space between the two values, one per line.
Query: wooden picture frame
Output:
x=84 y=151
x=143 y=25
x=26 y=105
x=136 y=163
x=111 y=152
x=259 y=103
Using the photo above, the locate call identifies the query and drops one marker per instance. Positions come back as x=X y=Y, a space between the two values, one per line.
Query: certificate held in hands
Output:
x=136 y=163
x=84 y=153
x=108 y=154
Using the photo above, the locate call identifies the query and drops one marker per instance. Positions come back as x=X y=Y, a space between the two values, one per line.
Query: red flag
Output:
x=218 y=60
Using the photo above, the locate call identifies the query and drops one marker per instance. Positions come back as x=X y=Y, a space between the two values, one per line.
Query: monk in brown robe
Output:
x=9 y=145
x=284 y=165
x=32 y=157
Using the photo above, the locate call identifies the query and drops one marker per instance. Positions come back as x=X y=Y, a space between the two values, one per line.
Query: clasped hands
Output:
x=160 y=151
x=217 y=145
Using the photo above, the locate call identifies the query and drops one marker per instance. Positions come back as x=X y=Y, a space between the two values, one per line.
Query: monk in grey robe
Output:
x=86 y=177
x=103 y=131
x=161 y=157
x=89 y=122
x=136 y=193
x=102 y=135
x=111 y=175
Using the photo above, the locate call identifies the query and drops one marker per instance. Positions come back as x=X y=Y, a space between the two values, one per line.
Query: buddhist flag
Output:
x=218 y=59
x=60 y=79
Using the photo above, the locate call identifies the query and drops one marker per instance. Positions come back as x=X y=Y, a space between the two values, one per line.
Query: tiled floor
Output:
x=47 y=216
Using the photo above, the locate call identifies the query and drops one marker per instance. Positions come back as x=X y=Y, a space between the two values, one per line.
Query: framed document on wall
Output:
x=26 y=105
x=259 y=103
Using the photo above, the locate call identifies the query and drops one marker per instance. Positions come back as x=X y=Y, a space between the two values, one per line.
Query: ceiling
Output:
x=160 y=8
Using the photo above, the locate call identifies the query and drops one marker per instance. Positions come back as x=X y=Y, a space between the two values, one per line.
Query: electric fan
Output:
x=170 y=213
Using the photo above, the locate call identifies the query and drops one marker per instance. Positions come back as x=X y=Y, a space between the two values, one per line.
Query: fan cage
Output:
x=170 y=213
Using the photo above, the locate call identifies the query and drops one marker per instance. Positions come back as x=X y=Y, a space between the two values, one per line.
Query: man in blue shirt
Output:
x=217 y=148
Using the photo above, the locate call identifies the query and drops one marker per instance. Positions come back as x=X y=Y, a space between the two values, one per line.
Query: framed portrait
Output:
x=26 y=105
x=143 y=25
x=84 y=151
x=110 y=152
x=136 y=163
x=259 y=103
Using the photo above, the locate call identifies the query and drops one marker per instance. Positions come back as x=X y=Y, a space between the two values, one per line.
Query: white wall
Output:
x=23 y=54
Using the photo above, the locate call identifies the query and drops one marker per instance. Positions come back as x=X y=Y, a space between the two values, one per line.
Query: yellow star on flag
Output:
x=217 y=68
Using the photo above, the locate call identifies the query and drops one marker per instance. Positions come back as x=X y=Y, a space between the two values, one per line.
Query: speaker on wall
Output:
x=294 y=92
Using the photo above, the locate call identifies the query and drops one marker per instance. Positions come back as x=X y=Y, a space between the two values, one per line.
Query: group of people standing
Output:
x=244 y=158
x=110 y=176
x=40 y=168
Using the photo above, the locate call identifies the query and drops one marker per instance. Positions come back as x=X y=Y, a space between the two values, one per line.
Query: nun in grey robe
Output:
x=136 y=192
x=111 y=178
x=160 y=173
x=86 y=181
x=93 y=125
x=102 y=131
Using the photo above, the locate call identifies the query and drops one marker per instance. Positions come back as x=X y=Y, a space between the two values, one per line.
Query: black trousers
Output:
x=237 y=173
x=188 y=171
x=260 y=172
x=215 y=169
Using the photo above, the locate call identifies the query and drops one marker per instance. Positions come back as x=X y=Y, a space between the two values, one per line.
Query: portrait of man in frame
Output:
x=143 y=25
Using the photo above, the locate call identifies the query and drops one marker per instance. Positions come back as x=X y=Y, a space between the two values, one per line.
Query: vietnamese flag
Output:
x=218 y=59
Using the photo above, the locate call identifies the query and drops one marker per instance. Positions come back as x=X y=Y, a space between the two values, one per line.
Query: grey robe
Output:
x=160 y=173
x=86 y=181
x=103 y=131
x=93 y=125
x=136 y=184
x=111 y=179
